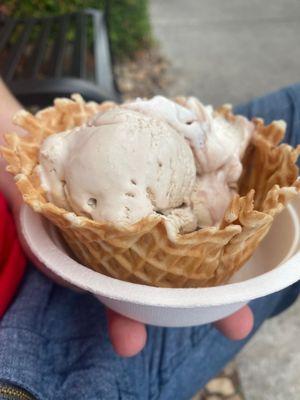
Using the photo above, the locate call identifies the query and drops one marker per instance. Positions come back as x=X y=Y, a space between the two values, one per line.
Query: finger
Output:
x=128 y=337
x=238 y=325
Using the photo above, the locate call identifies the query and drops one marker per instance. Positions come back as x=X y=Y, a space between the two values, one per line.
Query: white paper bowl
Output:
x=274 y=266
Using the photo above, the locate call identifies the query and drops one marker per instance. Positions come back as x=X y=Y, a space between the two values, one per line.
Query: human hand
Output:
x=129 y=337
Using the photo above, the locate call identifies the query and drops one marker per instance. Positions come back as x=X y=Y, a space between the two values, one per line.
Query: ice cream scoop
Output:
x=148 y=156
x=122 y=167
x=218 y=146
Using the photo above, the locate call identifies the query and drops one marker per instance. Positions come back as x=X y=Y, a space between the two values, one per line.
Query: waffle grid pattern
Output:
x=150 y=251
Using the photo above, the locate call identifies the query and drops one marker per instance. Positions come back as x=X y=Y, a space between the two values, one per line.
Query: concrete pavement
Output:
x=229 y=50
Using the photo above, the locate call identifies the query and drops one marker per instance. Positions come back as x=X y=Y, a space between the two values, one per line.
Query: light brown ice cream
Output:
x=147 y=156
x=218 y=164
x=121 y=168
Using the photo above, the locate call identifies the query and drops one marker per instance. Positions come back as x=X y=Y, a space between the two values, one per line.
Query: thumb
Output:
x=238 y=325
x=128 y=337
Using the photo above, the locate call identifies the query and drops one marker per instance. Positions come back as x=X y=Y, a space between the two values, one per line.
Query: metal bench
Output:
x=44 y=58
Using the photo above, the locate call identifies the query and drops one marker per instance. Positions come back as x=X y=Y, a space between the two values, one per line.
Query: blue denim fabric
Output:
x=54 y=342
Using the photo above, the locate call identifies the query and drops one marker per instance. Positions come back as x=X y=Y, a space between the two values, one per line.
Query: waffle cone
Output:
x=151 y=251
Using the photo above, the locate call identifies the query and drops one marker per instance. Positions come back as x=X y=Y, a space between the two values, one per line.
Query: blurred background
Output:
x=220 y=51
x=229 y=51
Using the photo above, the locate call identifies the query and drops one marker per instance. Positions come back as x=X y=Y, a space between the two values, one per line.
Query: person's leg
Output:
x=282 y=104
x=54 y=343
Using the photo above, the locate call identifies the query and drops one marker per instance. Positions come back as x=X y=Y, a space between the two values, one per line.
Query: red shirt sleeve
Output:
x=12 y=258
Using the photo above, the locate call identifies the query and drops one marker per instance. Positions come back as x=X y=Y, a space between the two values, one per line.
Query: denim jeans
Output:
x=54 y=342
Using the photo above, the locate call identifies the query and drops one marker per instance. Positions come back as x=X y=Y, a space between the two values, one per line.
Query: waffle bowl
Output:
x=151 y=251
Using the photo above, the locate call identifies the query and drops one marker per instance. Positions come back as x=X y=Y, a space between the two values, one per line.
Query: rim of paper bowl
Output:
x=62 y=265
